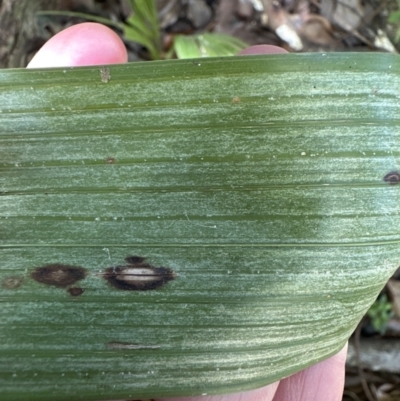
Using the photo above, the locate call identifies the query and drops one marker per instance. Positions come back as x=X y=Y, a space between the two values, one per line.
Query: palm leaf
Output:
x=192 y=226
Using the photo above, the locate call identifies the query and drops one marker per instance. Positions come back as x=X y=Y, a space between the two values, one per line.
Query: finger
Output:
x=261 y=394
x=324 y=381
x=262 y=49
x=83 y=44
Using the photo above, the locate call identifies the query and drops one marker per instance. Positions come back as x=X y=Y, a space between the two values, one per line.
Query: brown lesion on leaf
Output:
x=58 y=275
x=392 y=178
x=110 y=160
x=134 y=259
x=135 y=275
x=12 y=282
x=236 y=99
x=75 y=291
x=124 y=345
x=138 y=275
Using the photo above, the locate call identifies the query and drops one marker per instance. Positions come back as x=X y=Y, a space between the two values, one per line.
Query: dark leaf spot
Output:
x=76 y=291
x=121 y=345
x=12 y=282
x=141 y=277
x=392 y=178
x=58 y=275
x=110 y=160
x=134 y=260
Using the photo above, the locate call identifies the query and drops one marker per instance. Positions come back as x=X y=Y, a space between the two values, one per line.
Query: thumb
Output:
x=83 y=44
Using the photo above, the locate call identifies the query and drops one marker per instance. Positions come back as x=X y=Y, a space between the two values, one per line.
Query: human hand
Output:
x=94 y=44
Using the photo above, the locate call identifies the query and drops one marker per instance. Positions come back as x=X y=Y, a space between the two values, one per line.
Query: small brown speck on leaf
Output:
x=236 y=99
x=12 y=282
x=392 y=178
x=110 y=160
x=134 y=260
x=123 y=345
x=75 y=291
x=58 y=275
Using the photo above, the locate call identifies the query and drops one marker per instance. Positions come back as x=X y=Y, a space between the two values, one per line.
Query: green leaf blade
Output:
x=259 y=181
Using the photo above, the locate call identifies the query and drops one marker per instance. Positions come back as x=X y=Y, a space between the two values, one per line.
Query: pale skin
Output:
x=95 y=44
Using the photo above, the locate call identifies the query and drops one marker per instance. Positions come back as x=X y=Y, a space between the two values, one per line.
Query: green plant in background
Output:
x=380 y=313
x=142 y=27
x=394 y=18
x=207 y=45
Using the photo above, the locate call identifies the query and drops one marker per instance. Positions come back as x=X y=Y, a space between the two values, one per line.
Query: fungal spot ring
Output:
x=139 y=278
x=138 y=275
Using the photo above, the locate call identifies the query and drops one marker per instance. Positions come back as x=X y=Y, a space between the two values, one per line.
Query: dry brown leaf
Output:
x=318 y=30
x=345 y=14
